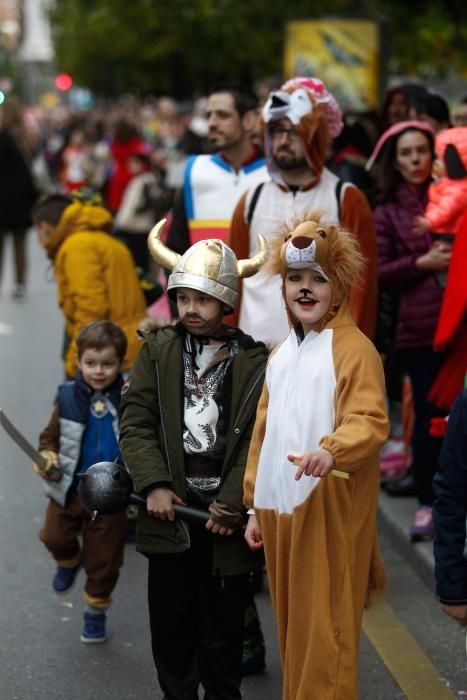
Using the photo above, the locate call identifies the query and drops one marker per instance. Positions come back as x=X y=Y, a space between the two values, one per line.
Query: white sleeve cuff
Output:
x=250 y=511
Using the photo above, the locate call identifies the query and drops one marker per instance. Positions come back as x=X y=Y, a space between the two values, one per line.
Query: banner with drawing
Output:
x=344 y=53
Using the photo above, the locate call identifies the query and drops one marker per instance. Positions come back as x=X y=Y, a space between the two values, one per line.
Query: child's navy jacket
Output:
x=450 y=509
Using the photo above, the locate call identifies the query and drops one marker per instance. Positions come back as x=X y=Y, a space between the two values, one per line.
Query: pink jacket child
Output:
x=447 y=197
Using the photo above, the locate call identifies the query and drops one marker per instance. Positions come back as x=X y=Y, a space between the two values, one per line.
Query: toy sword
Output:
x=25 y=445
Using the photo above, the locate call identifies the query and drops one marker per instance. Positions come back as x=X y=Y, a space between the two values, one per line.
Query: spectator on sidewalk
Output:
x=17 y=189
x=300 y=120
x=213 y=184
x=137 y=213
x=408 y=265
x=126 y=140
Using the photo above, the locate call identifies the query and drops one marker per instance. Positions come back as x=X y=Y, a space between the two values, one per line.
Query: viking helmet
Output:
x=208 y=266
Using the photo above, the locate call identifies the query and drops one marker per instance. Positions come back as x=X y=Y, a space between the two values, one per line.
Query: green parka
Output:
x=152 y=447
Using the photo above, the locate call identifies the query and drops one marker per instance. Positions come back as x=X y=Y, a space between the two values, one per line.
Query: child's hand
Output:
x=316 y=463
x=159 y=503
x=457 y=612
x=224 y=519
x=217 y=529
x=253 y=535
x=437 y=259
x=51 y=471
x=421 y=225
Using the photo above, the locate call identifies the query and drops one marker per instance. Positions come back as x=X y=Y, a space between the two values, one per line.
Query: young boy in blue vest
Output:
x=82 y=430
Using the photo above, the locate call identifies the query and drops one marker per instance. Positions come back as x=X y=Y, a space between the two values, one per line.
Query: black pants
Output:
x=196 y=622
x=422 y=365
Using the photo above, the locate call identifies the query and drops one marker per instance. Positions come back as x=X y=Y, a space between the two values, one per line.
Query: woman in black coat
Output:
x=17 y=190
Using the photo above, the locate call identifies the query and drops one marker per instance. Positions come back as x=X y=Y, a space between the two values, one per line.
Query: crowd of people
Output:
x=295 y=240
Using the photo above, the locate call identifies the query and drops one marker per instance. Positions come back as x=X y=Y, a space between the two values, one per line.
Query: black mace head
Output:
x=105 y=488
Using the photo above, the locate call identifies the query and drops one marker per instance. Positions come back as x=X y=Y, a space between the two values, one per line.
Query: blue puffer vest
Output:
x=89 y=428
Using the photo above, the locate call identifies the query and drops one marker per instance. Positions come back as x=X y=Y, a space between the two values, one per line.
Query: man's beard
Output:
x=290 y=162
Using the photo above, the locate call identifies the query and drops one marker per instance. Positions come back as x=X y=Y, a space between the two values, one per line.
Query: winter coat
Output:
x=17 y=190
x=151 y=439
x=96 y=277
x=450 y=509
x=138 y=208
x=447 y=198
x=121 y=175
x=420 y=293
x=66 y=432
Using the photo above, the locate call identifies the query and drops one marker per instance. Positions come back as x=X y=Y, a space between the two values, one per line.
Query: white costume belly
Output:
x=301 y=383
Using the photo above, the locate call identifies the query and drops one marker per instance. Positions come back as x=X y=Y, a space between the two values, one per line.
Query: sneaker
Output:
x=94 y=628
x=392 y=465
x=64 y=578
x=422 y=526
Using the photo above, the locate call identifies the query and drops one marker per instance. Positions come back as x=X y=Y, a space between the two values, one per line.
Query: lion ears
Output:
x=314 y=244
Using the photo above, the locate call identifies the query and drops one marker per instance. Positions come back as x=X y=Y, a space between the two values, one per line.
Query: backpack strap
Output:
x=254 y=202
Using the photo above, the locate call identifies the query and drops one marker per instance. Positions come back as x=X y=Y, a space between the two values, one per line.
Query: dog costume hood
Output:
x=314 y=113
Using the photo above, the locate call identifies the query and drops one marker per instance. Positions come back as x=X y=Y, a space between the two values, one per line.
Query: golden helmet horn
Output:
x=250 y=266
x=159 y=251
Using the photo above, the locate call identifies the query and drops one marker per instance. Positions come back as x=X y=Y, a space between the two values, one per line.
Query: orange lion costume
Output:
x=323 y=390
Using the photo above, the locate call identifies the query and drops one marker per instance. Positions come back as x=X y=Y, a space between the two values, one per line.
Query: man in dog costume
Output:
x=299 y=122
x=323 y=410
x=187 y=418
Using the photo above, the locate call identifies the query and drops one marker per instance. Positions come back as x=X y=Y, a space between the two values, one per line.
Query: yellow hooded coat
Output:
x=96 y=277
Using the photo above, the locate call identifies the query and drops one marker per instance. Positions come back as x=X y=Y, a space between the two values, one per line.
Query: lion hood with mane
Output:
x=334 y=251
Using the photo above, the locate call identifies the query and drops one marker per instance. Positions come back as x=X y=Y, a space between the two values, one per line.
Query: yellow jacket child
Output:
x=96 y=275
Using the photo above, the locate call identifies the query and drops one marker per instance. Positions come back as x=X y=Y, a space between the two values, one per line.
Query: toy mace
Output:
x=105 y=488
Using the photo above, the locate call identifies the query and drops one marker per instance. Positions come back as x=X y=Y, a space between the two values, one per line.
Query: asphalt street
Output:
x=41 y=657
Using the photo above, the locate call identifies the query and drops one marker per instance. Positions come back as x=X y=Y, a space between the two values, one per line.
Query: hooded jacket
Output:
x=96 y=277
x=447 y=197
x=152 y=447
x=420 y=293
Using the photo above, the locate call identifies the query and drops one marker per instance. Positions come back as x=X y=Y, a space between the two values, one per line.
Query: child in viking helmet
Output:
x=323 y=410
x=187 y=416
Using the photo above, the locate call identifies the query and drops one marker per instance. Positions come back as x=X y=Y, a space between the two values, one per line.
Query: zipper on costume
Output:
x=240 y=410
x=166 y=446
